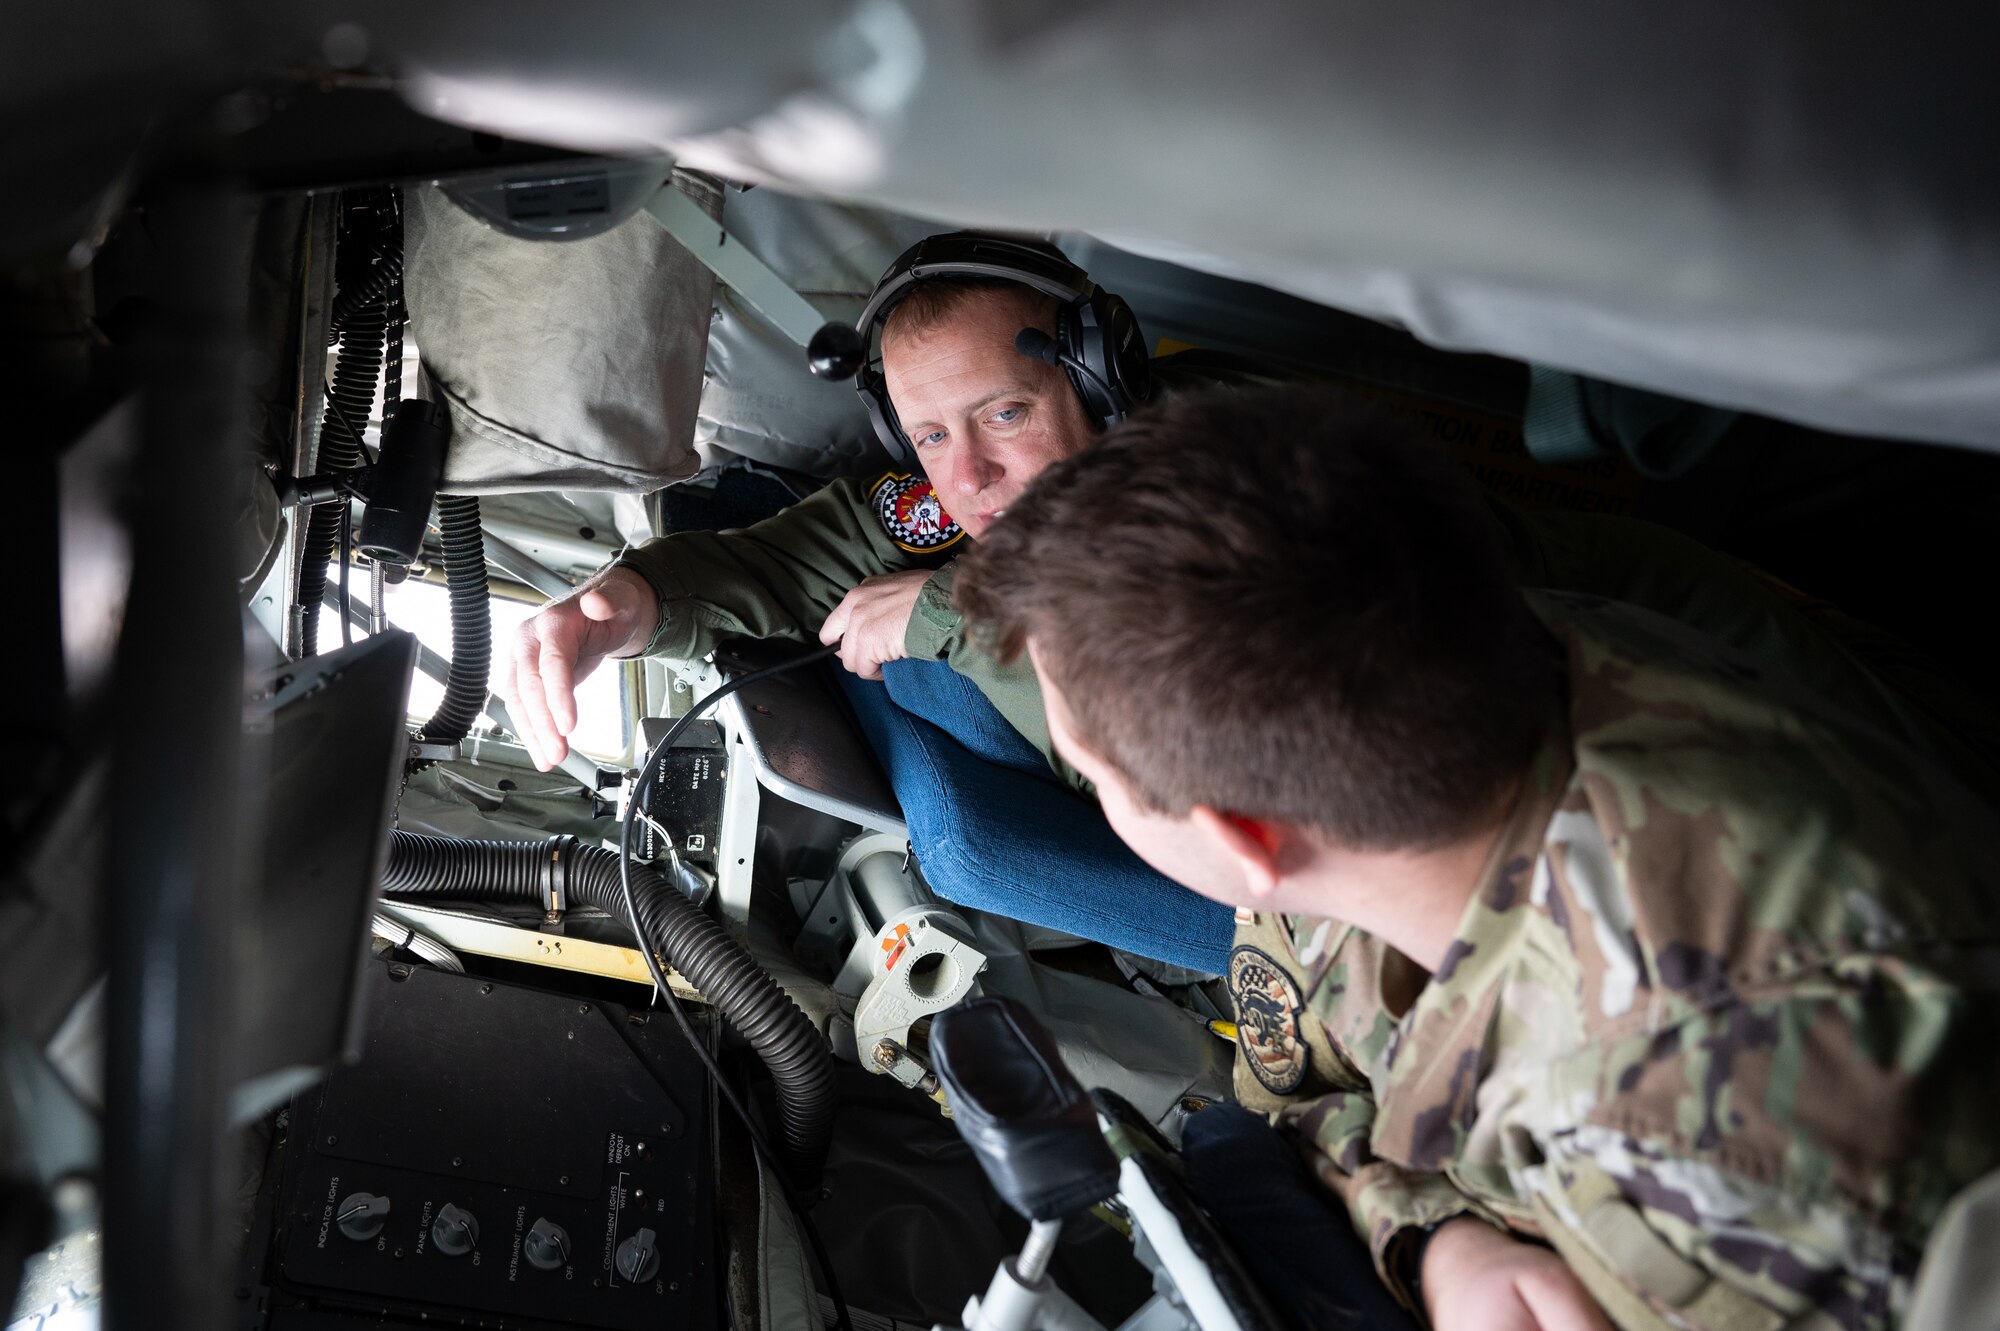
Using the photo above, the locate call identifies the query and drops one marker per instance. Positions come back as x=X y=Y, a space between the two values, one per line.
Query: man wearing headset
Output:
x=989 y=359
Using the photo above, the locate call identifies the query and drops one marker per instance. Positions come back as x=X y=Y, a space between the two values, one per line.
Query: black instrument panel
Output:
x=543 y=1159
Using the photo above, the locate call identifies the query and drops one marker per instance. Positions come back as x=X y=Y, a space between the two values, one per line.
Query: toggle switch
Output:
x=546 y=1246
x=454 y=1232
x=361 y=1215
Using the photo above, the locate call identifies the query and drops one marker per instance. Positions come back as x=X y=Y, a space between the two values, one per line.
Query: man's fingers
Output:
x=859 y=662
x=597 y=604
x=857 y=659
x=503 y=682
x=533 y=717
x=551 y=653
x=605 y=621
x=836 y=623
x=526 y=735
x=559 y=684
x=509 y=688
x=510 y=693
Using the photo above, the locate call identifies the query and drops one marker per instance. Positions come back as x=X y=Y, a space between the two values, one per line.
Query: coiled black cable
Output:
x=354 y=377
x=369 y=274
x=695 y=945
x=383 y=278
x=471 y=621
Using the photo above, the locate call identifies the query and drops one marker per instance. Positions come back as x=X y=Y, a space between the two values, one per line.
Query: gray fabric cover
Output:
x=566 y=365
x=759 y=401
x=1752 y=207
x=1783 y=209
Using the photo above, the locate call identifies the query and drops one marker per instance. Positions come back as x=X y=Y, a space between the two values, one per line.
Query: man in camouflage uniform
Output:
x=1607 y=976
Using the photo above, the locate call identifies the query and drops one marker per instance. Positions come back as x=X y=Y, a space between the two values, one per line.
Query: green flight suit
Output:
x=782 y=577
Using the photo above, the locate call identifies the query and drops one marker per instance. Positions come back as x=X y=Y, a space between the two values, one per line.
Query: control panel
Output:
x=501 y=1156
x=687 y=793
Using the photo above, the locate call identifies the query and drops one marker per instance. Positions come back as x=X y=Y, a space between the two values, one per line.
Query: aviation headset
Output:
x=1098 y=343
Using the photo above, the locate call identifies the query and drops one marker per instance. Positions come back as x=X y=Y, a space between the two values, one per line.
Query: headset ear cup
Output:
x=1078 y=337
x=1128 y=362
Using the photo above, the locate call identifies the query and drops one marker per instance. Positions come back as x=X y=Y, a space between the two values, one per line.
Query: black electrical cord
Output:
x=368 y=230
x=346 y=564
x=346 y=421
x=464 y=542
x=648 y=770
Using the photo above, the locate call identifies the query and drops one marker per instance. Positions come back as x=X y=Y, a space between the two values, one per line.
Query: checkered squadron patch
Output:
x=910 y=512
x=1267 y=1020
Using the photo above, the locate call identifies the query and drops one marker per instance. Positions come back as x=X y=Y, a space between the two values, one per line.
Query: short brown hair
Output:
x=1277 y=603
x=934 y=300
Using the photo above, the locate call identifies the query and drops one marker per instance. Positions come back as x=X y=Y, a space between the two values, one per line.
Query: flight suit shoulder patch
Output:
x=909 y=511
x=1268 y=1004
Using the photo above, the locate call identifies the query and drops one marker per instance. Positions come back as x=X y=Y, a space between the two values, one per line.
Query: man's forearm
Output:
x=779 y=578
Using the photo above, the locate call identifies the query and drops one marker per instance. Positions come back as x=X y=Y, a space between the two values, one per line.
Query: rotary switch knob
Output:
x=638 y=1258
x=546 y=1245
x=454 y=1233
x=361 y=1215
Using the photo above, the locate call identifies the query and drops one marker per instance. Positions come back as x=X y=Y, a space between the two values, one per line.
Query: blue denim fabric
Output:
x=996 y=830
x=954 y=704
x=1292 y=1234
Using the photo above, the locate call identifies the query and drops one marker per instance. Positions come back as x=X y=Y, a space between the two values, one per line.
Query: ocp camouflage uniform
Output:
x=1718 y=1024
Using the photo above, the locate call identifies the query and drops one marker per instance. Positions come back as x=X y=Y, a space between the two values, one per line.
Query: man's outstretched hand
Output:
x=870 y=621
x=614 y=614
x=1478 y=1278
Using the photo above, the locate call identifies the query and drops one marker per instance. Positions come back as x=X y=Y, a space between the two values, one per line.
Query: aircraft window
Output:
x=603 y=728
